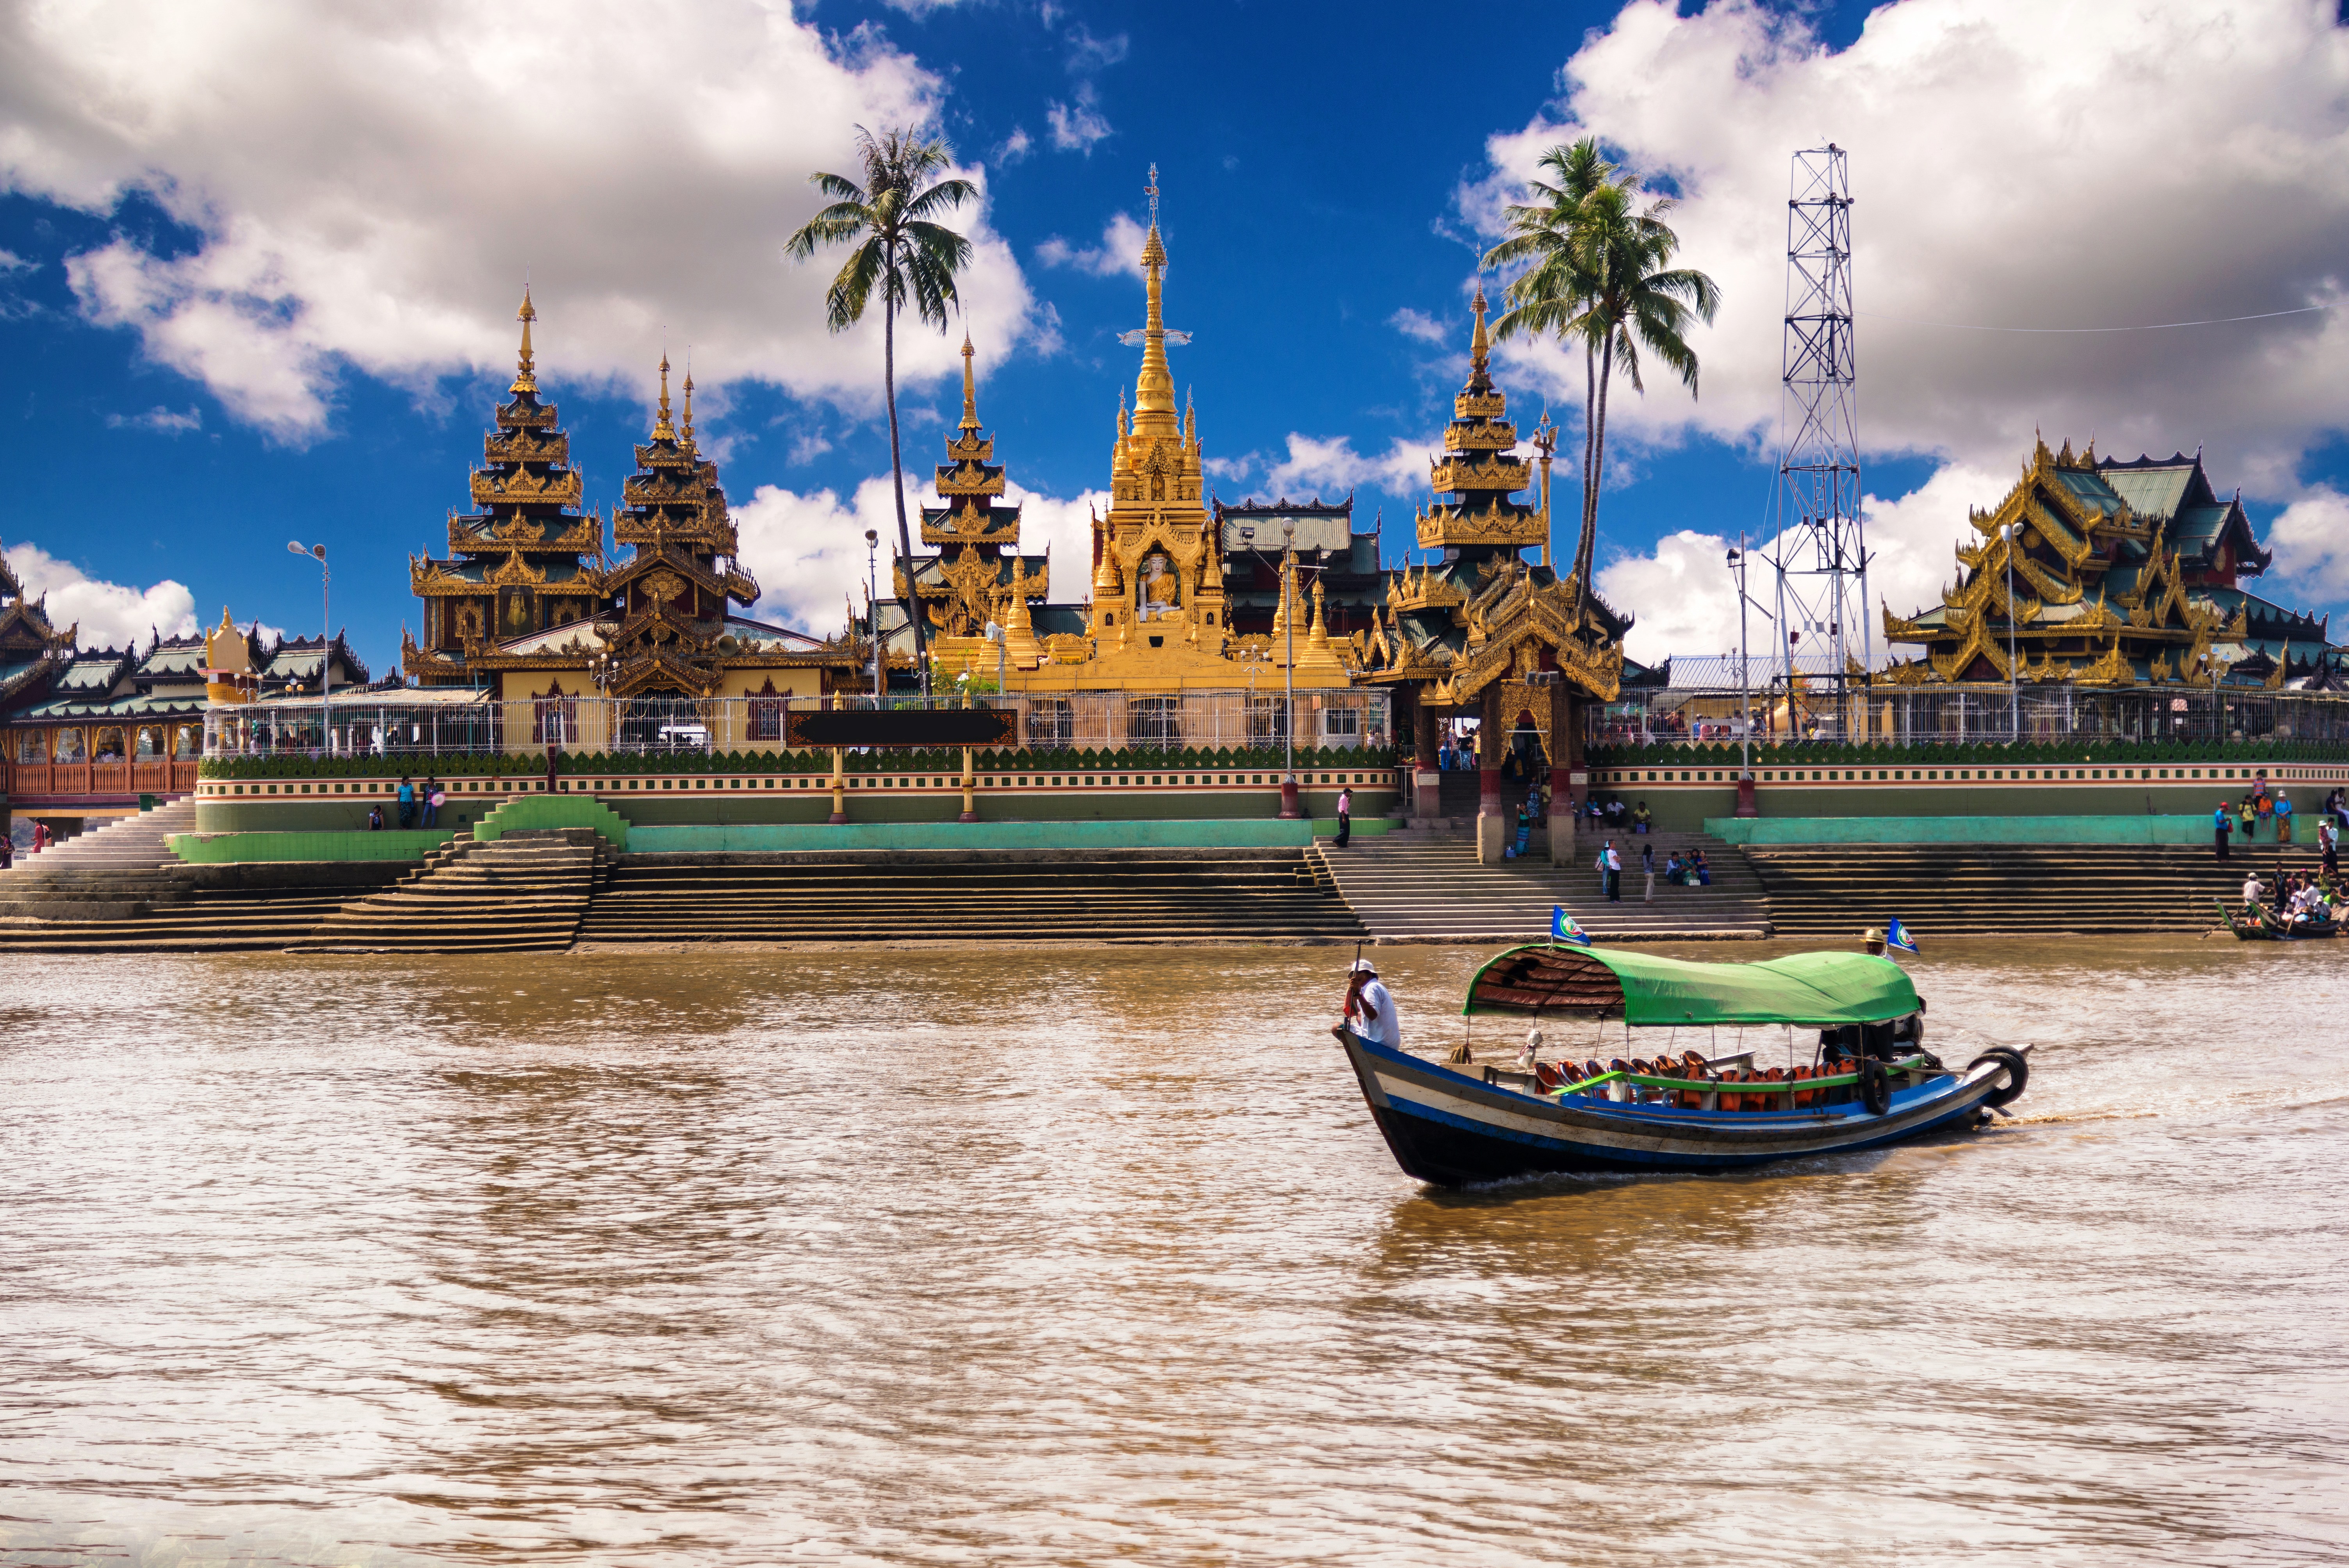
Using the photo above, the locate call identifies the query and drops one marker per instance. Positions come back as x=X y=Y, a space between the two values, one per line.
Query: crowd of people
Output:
x=1690 y=869
x=2300 y=897
x=2263 y=815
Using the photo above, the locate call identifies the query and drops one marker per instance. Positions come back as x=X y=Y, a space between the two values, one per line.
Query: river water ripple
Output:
x=1056 y=1256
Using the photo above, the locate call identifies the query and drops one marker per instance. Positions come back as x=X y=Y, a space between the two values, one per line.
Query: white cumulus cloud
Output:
x=1120 y=251
x=1077 y=126
x=2311 y=541
x=1686 y=601
x=1418 y=323
x=370 y=184
x=1332 y=468
x=2106 y=163
x=807 y=550
x=111 y=615
x=160 y=420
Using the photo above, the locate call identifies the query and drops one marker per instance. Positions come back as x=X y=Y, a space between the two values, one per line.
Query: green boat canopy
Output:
x=1821 y=988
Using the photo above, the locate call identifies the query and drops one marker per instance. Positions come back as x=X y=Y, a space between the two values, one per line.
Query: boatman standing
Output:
x=1370 y=1010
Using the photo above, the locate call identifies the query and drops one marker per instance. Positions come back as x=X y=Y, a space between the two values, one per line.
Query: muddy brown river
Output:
x=1067 y=1256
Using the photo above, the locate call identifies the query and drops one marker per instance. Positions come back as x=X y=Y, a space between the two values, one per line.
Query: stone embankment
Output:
x=1073 y=896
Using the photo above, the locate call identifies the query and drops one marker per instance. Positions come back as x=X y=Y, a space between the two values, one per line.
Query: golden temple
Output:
x=2094 y=572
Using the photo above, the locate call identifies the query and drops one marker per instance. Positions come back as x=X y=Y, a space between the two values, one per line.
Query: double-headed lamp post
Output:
x=325 y=642
x=872 y=604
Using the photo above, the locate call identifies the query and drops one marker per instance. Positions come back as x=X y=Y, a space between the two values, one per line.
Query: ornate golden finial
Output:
x=1480 y=348
x=1154 y=389
x=970 y=391
x=525 y=379
x=662 y=429
x=689 y=397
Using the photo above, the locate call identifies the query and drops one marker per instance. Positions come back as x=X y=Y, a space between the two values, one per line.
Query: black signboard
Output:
x=916 y=726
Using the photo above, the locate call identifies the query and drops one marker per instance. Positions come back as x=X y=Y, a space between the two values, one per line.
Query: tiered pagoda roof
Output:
x=969 y=581
x=1480 y=471
x=2122 y=574
x=667 y=600
x=1480 y=613
x=527 y=557
x=32 y=651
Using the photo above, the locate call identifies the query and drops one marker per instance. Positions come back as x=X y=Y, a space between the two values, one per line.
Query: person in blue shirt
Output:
x=406 y=801
x=2222 y=827
x=2283 y=817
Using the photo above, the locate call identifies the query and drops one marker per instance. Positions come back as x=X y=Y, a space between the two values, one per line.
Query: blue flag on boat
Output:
x=1562 y=927
x=1896 y=935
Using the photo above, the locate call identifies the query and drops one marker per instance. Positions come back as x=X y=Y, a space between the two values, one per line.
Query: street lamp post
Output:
x=325 y=642
x=2014 y=675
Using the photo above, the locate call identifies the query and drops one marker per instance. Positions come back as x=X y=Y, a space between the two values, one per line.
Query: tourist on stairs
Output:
x=2222 y=826
x=1648 y=864
x=2283 y=816
x=1345 y=815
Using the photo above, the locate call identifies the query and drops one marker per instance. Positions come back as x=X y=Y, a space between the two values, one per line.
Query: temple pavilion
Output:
x=2098 y=571
x=1474 y=629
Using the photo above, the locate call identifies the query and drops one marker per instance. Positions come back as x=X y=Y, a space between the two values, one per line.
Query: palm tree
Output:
x=1545 y=232
x=905 y=256
x=1637 y=298
x=1599 y=274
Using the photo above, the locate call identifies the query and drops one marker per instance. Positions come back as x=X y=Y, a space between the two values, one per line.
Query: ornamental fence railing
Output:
x=1073 y=721
x=1981 y=715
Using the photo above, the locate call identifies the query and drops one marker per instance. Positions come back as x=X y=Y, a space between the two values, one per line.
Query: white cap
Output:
x=1360 y=966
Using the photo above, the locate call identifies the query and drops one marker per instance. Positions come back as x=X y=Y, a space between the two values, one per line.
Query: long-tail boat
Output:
x=2269 y=926
x=1871 y=1081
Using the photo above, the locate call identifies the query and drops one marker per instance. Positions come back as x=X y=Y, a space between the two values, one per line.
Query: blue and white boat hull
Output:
x=1451 y=1129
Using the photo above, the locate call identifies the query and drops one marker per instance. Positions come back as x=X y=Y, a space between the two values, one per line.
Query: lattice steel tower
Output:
x=1819 y=547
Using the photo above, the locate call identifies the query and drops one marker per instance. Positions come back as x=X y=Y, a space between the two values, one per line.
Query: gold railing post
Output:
x=839 y=787
x=969 y=784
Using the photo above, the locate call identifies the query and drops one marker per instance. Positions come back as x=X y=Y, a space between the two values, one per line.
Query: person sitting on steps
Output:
x=1640 y=818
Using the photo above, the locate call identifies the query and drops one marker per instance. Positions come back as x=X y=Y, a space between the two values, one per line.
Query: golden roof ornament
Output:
x=662 y=429
x=689 y=397
x=525 y=378
x=969 y=388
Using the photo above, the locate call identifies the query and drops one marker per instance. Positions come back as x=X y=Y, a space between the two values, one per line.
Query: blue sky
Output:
x=282 y=310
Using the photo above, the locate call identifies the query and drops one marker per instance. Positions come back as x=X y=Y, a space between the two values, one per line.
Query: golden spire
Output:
x=969 y=393
x=1480 y=346
x=689 y=397
x=1154 y=389
x=662 y=429
x=525 y=380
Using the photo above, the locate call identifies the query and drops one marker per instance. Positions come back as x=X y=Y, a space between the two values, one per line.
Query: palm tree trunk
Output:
x=897 y=474
x=1589 y=403
x=1588 y=549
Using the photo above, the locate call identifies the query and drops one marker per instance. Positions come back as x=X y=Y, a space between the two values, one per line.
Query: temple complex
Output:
x=2100 y=573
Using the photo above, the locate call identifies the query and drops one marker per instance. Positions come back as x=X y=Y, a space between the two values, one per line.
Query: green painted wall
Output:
x=1999 y=830
x=1686 y=808
x=233 y=848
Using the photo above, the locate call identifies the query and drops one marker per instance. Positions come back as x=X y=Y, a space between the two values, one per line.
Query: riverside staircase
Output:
x=1835 y=890
x=1420 y=886
x=1076 y=896
x=120 y=889
x=522 y=891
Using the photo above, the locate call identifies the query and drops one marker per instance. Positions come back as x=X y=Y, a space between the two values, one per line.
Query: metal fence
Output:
x=1968 y=717
x=1097 y=721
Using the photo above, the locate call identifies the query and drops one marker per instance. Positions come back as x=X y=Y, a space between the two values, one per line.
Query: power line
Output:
x=2155 y=326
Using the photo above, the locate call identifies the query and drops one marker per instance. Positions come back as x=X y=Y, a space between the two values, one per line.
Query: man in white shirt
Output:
x=1370 y=1010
